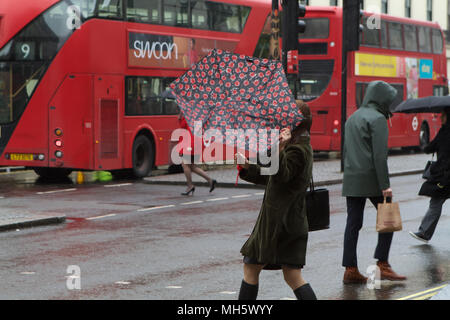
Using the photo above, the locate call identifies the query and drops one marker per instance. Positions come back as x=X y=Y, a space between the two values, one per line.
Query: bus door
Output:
x=108 y=122
x=70 y=124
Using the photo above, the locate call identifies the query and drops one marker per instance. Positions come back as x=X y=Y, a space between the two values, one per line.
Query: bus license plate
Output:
x=21 y=157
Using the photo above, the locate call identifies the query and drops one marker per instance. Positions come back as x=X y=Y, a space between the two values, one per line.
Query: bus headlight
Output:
x=58 y=154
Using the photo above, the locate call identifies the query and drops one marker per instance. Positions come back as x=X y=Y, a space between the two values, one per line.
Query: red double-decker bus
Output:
x=83 y=82
x=408 y=54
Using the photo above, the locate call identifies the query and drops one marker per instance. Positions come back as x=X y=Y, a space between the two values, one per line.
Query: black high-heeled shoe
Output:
x=187 y=193
x=213 y=186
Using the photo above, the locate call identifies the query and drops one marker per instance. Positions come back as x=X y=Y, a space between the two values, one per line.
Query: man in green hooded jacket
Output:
x=366 y=175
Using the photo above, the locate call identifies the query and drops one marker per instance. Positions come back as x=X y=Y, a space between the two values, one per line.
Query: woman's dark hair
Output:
x=306 y=124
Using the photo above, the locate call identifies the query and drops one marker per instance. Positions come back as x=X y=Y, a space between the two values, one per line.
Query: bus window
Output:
x=395 y=36
x=25 y=58
x=318 y=28
x=176 y=13
x=199 y=15
x=424 y=39
x=170 y=106
x=226 y=17
x=360 y=91
x=144 y=11
x=262 y=49
x=110 y=9
x=144 y=97
x=5 y=110
x=99 y=8
x=370 y=37
x=314 y=78
x=410 y=38
x=384 y=35
x=440 y=91
x=437 y=41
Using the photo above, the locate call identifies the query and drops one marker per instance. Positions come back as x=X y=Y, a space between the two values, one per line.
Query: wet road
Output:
x=133 y=240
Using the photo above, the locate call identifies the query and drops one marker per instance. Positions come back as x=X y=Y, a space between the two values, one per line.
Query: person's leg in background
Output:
x=431 y=218
x=355 y=218
x=382 y=250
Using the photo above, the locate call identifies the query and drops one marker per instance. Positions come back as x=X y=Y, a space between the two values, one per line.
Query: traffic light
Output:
x=352 y=26
x=292 y=25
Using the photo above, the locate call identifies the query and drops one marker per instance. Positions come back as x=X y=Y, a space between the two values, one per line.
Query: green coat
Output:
x=281 y=231
x=366 y=171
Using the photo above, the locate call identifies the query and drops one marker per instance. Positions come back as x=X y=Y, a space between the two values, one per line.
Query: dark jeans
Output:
x=431 y=219
x=355 y=216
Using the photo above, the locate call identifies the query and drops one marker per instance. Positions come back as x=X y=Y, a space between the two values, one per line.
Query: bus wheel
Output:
x=52 y=173
x=424 y=137
x=142 y=156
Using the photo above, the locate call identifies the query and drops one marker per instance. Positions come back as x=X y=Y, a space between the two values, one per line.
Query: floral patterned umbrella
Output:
x=226 y=91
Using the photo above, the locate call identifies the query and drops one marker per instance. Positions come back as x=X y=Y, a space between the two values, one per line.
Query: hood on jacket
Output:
x=380 y=95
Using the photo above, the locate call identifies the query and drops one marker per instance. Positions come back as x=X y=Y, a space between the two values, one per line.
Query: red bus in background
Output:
x=408 y=54
x=82 y=82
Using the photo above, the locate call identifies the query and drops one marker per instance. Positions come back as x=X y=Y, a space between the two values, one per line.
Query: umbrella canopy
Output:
x=424 y=105
x=226 y=92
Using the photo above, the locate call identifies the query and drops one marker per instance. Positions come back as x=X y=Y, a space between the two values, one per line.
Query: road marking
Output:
x=287 y=299
x=118 y=185
x=193 y=202
x=1 y=197
x=101 y=217
x=217 y=199
x=174 y=287
x=242 y=196
x=155 y=208
x=123 y=282
x=425 y=297
x=228 y=292
x=416 y=295
x=259 y=194
x=28 y=272
x=57 y=191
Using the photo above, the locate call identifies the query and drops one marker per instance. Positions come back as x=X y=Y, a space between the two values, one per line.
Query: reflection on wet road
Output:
x=133 y=240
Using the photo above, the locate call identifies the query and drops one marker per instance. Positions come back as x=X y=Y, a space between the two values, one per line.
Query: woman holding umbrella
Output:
x=280 y=235
x=438 y=187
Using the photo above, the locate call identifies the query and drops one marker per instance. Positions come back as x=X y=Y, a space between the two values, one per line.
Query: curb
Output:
x=252 y=186
x=33 y=223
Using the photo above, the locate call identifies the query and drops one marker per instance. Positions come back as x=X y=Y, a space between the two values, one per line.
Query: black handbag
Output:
x=318 y=208
x=427 y=171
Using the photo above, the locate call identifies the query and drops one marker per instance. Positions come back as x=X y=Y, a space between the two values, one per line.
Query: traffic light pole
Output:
x=275 y=32
x=343 y=89
x=343 y=97
x=351 y=28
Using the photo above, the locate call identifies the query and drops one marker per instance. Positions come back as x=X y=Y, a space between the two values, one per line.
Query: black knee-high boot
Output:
x=305 y=293
x=248 y=291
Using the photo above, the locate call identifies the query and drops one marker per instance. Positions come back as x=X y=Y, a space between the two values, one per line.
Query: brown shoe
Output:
x=387 y=273
x=352 y=276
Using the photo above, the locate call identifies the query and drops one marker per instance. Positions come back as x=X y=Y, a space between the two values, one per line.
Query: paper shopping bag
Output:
x=388 y=217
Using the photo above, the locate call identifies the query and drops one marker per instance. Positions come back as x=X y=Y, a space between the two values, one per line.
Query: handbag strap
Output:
x=311 y=185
